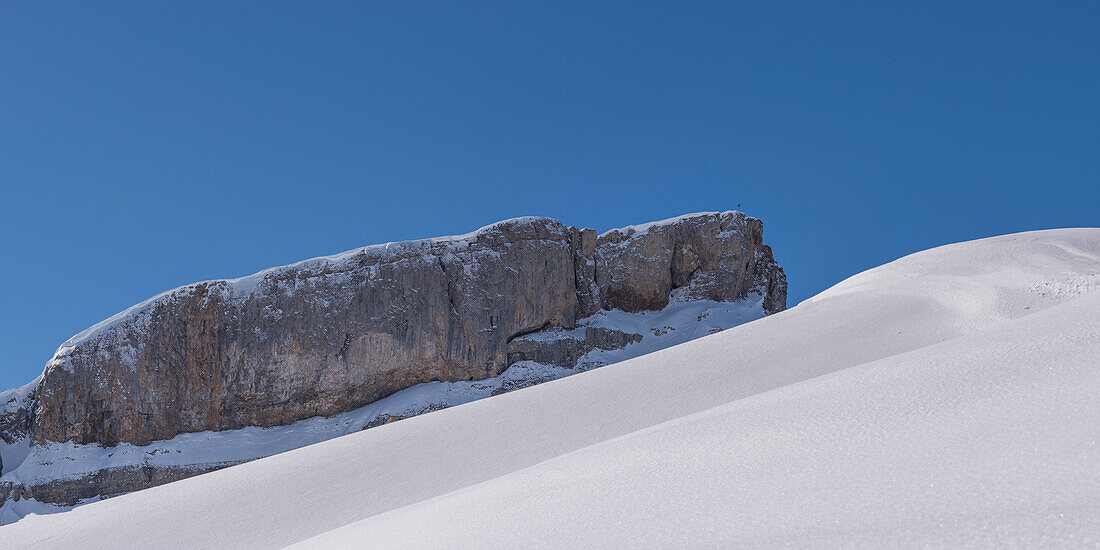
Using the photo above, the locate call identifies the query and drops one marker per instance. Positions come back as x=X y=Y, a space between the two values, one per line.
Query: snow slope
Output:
x=947 y=399
x=682 y=320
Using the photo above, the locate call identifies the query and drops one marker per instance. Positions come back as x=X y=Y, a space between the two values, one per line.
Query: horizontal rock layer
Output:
x=105 y=483
x=332 y=334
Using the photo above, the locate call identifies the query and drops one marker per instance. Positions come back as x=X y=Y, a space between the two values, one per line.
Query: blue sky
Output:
x=148 y=145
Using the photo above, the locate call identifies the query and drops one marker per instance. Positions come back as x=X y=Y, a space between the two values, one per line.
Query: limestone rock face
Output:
x=713 y=257
x=332 y=334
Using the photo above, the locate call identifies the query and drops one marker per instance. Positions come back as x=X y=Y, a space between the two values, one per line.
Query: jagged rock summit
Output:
x=332 y=334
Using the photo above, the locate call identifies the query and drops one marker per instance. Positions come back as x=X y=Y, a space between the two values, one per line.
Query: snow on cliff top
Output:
x=643 y=227
x=243 y=286
x=947 y=399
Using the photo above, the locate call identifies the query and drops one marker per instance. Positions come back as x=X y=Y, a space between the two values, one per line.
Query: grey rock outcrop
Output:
x=717 y=257
x=332 y=334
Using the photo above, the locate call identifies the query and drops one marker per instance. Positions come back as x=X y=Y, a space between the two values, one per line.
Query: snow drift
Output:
x=946 y=399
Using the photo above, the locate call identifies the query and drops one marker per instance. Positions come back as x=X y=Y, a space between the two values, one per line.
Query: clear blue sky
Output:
x=150 y=145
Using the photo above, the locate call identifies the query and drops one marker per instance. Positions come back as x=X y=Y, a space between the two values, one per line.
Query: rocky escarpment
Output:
x=332 y=334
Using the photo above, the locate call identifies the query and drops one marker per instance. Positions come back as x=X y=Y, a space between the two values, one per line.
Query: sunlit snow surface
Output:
x=679 y=322
x=948 y=399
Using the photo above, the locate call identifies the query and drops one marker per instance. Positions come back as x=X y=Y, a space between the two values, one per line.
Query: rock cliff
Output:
x=330 y=335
